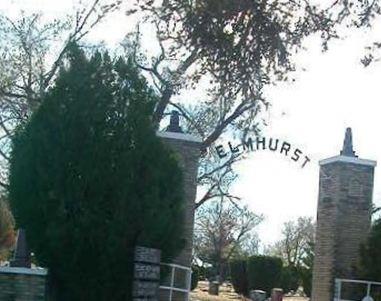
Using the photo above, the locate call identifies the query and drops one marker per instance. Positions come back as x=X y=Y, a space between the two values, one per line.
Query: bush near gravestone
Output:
x=370 y=255
x=261 y=272
x=195 y=277
x=264 y=273
x=306 y=279
x=369 y=267
x=238 y=275
x=290 y=279
x=89 y=179
x=202 y=273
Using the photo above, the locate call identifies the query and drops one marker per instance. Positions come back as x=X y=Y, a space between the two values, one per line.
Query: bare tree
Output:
x=221 y=230
x=239 y=46
x=364 y=14
x=297 y=237
x=7 y=231
x=229 y=50
x=32 y=51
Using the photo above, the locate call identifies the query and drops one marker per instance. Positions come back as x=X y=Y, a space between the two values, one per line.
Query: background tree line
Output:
x=227 y=243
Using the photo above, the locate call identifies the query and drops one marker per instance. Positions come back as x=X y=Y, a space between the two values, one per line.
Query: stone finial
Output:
x=174 y=123
x=21 y=258
x=348 y=144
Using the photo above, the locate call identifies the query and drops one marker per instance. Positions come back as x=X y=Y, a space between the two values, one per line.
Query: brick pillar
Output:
x=188 y=148
x=343 y=218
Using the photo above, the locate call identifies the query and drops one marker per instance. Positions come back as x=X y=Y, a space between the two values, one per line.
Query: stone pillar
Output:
x=276 y=294
x=343 y=217
x=188 y=149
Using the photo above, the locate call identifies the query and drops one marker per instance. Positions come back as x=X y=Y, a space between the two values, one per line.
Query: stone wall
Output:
x=22 y=284
x=343 y=221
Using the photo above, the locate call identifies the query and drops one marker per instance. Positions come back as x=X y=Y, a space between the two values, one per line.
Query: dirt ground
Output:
x=226 y=294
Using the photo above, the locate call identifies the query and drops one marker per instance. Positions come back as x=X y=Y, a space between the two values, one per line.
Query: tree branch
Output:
x=169 y=88
x=73 y=37
x=240 y=109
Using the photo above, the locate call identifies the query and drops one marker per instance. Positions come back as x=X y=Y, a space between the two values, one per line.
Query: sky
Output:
x=334 y=92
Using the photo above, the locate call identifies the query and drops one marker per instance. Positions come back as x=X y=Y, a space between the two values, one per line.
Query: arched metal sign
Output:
x=264 y=143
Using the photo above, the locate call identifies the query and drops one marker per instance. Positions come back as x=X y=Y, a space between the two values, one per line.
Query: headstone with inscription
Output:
x=214 y=288
x=146 y=274
x=257 y=295
x=276 y=294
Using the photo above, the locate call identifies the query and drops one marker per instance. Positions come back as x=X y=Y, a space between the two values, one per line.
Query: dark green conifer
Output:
x=89 y=179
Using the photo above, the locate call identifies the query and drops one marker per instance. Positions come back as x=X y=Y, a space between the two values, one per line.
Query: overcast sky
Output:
x=333 y=93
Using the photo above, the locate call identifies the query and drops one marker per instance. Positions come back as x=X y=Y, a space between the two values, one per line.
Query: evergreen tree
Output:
x=89 y=179
x=370 y=263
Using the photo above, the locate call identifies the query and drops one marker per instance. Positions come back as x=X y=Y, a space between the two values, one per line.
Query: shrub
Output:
x=202 y=272
x=89 y=179
x=264 y=272
x=195 y=277
x=289 y=279
x=238 y=275
x=306 y=279
x=370 y=255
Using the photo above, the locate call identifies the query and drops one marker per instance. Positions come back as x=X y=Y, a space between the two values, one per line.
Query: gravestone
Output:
x=343 y=217
x=257 y=295
x=277 y=294
x=214 y=288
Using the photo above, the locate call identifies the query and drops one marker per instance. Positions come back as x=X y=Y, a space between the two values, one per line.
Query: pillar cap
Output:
x=179 y=136
x=347 y=159
x=24 y=271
